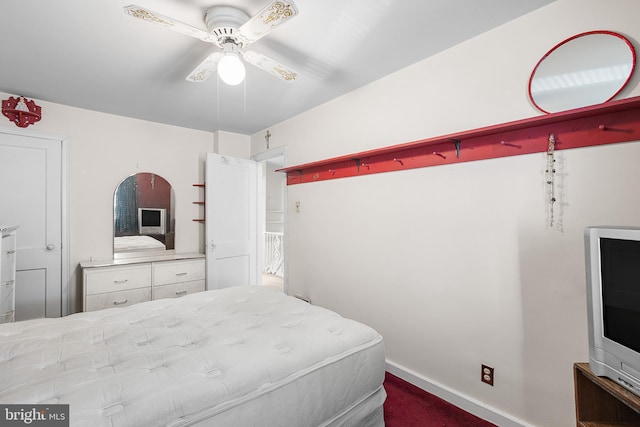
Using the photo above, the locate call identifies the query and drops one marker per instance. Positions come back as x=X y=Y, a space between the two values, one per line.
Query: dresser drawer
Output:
x=178 y=289
x=117 y=299
x=110 y=279
x=168 y=272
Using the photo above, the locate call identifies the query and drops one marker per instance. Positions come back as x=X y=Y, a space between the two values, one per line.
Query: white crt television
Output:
x=613 y=303
x=151 y=220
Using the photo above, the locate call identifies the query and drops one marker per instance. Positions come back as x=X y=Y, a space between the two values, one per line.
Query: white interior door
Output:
x=231 y=222
x=31 y=197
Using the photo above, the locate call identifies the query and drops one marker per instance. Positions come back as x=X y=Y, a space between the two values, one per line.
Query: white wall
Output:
x=232 y=144
x=456 y=265
x=103 y=150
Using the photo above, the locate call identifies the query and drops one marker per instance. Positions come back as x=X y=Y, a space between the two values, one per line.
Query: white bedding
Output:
x=136 y=243
x=240 y=356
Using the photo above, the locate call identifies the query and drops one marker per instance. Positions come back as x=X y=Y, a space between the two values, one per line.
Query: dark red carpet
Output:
x=410 y=406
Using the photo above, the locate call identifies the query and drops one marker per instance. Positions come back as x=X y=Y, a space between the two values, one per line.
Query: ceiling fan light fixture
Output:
x=231 y=69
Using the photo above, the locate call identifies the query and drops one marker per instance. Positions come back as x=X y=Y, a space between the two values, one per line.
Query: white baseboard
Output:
x=463 y=402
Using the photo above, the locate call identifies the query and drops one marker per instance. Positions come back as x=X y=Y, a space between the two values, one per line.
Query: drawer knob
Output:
x=181 y=274
x=121 y=281
x=181 y=292
x=120 y=302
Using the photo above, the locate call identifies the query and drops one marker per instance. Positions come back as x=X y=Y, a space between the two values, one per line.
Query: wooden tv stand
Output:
x=601 y=402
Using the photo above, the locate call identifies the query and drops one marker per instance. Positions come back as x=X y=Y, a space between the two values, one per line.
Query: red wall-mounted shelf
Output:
x=612 y=122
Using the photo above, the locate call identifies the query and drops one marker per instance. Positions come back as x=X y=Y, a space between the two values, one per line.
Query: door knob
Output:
x=51 y=247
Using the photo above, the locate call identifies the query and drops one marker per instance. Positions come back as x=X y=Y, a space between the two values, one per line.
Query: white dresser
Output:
x=7 y=274
x=122 y=282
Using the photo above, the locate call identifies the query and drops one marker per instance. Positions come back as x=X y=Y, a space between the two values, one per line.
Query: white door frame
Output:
x=64 y=203
x=262 y=157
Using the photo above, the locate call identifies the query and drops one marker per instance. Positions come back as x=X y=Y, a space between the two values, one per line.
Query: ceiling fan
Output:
x=231 y=30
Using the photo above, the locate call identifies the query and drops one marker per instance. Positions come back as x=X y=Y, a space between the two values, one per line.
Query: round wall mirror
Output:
x=586 y=69
x=143 y=216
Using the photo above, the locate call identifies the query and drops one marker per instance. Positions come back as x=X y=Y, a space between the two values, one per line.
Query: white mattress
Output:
x=136 y=243
x=240 y=356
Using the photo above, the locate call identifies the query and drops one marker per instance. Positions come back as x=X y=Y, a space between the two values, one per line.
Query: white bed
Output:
x=243 y=356
x=136 y=243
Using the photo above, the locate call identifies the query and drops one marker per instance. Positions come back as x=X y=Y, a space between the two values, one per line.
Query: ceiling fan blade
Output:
x=206 y=68
x=276 y=13
x=172 y=24
x=271 y=66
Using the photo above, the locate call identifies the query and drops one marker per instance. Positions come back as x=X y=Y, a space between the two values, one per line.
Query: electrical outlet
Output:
x=487 y=375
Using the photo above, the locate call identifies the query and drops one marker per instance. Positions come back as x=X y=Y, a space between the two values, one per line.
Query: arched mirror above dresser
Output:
x=143 y=216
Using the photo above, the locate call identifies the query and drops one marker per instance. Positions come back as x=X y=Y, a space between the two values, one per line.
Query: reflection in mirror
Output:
x=143 y=216
x=586 y=69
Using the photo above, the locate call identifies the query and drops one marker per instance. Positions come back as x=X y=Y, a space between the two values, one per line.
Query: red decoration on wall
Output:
x=21 y=111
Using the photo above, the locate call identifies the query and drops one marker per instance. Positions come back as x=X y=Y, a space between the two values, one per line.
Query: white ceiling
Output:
x=90 y=54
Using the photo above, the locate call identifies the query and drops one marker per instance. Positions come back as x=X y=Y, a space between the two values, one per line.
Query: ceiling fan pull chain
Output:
x=218 y=99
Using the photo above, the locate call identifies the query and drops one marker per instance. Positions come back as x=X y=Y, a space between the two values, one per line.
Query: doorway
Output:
x=273 y=214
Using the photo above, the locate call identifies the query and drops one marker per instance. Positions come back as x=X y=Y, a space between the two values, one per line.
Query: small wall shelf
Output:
x=612 y=122
x=200 y=203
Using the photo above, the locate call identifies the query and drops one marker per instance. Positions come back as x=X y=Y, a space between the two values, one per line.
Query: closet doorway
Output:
x=33 y=193
x=273 y=214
